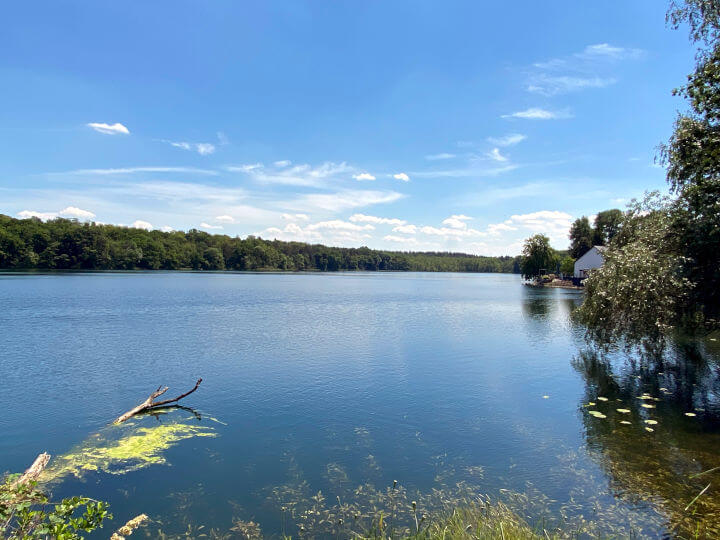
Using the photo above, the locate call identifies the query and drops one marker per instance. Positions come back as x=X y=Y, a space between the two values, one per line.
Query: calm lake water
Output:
x=327 y=382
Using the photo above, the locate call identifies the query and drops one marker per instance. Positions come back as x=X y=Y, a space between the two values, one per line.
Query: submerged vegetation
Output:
x=65 y=244
x=122 y=449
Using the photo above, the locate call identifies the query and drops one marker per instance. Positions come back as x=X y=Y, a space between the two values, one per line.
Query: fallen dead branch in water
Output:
x=33 y=471
x=150 y=402
x=129 y=527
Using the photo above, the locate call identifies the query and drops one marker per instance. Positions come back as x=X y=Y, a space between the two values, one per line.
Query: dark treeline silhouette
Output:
x=65 y=244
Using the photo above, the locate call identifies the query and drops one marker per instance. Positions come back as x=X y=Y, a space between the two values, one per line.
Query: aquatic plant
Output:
x=119 y=449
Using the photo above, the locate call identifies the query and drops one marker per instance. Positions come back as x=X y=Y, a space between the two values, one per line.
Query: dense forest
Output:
x=65 y=244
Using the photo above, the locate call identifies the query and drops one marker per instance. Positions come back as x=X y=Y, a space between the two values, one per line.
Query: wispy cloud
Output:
x=283 y=163
x=341 y=200
x=536 y=113
x=204 y=225
x=551 y=85
x=609 y=51
x=362 y=218
x=507 y=140
x=134 y=170
x=437 y=157
x=590 y=68
x=298 y=175
x=470 y=171
x=109 y=129
x=495 y=155
x=225 y=219
x=204 y=149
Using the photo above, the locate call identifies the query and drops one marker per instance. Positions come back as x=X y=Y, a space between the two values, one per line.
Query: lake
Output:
x=464 y=384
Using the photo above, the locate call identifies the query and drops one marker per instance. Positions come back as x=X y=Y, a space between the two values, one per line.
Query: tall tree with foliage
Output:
x=537 y=255
x=662 y=270
x=607 y=226
x=581 y=237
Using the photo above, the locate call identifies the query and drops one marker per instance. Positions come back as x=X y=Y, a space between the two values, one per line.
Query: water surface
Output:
x=325 y=382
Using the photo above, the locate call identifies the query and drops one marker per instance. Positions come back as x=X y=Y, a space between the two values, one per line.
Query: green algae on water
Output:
x=122 y=449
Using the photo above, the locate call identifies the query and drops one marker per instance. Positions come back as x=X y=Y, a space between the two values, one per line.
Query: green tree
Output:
x=607 y=226
x=567 y=265
x=537 y=255
x=27 y=513
x=639 y=293
x=581 y=237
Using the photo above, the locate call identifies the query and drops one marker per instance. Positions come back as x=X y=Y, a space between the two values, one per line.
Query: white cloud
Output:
x=283 y=163
x=363 y=176
x=204 y=149
x=507 y=140
x=140 y=224
x=166 y=228
x=204 y=225
x=401 y=176
x=457 y=221
x=245 y=168
x=68 y=212
x=406 y=229
x=362 y=218
x=610 y=51
x=495 y=155
x=134 y=170
x=341 y=200
x=400 y=239
x=436 y=157
x=473 y=171
x=337 y=224
x=450 y=231
x=27 y=214
x=590 y=68
x=296 y=217
x=298 y=175
x=536 y=113
x=225 y=219
x=551 y=85
x=496 y=228
x=109 y=129
x=75 y=212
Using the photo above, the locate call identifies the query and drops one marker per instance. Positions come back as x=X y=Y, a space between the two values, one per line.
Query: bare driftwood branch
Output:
x=34 y=470
x=129 y=527
x=150 y=402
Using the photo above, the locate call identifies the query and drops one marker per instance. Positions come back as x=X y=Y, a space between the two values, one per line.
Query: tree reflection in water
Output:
x=673 y=435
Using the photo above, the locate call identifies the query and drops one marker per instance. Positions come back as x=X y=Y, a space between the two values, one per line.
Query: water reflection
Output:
x=653 y=428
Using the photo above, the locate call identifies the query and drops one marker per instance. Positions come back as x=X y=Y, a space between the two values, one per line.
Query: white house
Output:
x=592 y=259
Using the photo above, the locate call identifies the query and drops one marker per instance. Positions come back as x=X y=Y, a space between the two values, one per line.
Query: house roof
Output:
x=600 y=248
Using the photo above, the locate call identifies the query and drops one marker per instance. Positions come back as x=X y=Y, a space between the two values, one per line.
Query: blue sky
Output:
x=414 y=125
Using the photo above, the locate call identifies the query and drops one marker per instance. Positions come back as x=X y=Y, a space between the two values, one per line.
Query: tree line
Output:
x=66 y=244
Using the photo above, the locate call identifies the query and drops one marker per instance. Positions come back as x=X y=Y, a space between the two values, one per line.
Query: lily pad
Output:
x=597 y=414
x=648 y=406
x=625 y=422
x=690 y=414
x=624 y=411
x=601 y=398
x=651 y=422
